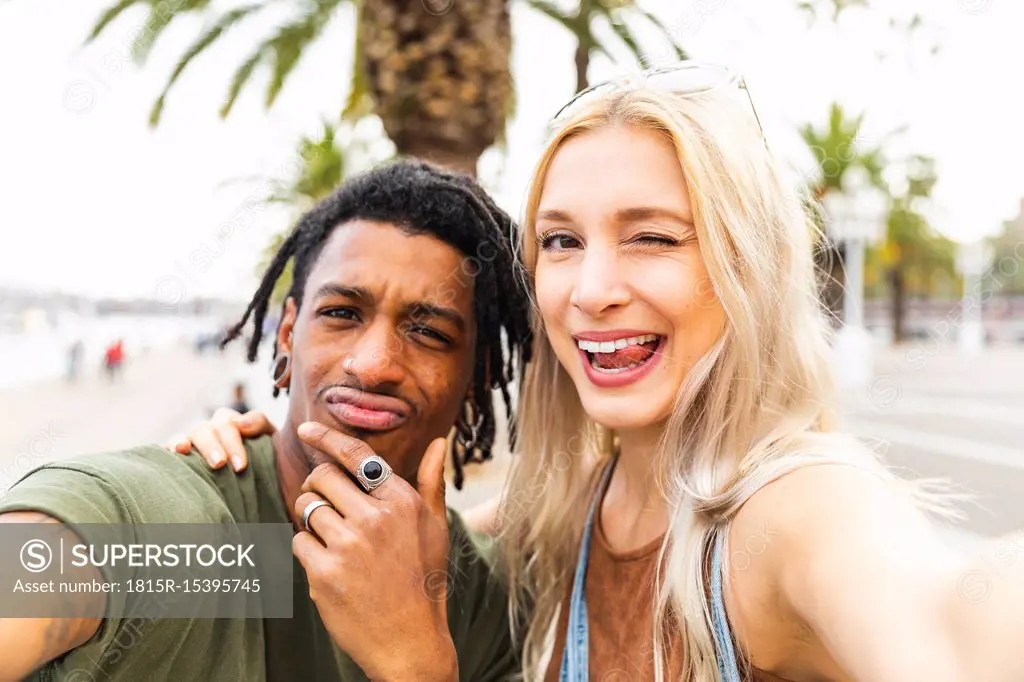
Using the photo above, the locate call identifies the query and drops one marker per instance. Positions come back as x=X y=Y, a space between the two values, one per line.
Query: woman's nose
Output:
x=600 y=285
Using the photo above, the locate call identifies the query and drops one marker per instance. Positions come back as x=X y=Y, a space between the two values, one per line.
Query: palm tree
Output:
x=438 y=74
x=837 y=148
x=620 y=15
x=912 y=258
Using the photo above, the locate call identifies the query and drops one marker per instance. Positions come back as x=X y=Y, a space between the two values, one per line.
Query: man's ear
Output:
x=284 y=330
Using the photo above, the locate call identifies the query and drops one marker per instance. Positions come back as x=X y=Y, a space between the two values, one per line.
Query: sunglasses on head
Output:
x=685 y=79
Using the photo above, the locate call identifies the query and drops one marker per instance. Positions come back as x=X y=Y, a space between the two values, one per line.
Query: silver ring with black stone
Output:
x=372 y=473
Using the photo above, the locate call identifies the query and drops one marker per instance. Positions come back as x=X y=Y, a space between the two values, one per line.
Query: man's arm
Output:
x=29 y=643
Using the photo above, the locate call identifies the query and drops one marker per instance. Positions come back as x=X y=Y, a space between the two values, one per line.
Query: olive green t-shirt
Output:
x=149 y=485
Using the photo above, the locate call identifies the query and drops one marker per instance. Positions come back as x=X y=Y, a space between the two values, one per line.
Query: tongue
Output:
x=625 y=356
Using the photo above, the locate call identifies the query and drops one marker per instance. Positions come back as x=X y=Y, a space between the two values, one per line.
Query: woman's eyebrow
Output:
x=555 y=215
x=641 y=213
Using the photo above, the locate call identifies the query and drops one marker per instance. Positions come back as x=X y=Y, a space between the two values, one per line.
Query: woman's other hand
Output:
x=219 y=440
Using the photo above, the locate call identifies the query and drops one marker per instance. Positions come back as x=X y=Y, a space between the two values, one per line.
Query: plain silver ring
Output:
x=310 y=508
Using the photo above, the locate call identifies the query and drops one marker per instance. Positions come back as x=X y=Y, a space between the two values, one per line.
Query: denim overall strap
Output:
x=575 y=658
x=724 y=651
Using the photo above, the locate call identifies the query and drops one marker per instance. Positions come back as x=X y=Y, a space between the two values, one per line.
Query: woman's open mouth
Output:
x=613 y=359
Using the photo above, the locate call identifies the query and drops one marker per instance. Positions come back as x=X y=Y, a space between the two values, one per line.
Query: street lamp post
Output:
x=855 y=217
x=971 y=260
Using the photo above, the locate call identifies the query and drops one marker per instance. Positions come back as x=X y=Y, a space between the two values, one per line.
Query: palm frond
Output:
x=219 y=27
x=108 y=16
x=161 y=15
x=625 y=34
x=323 y=167
x=291 y=41
x=808 y=9
x=621 y=29
x=359 y=102
x=241 y=77
x=840 y=6
x=570 y=22
x=665 y=32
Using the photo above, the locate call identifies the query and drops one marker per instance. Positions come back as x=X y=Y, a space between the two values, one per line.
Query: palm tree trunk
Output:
x=439 y=74
x=582 y=65
x=899 y=304
x=452 y=159
x=584 y=41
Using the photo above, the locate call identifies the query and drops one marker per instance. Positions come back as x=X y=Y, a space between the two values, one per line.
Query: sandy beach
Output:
x=158 y=394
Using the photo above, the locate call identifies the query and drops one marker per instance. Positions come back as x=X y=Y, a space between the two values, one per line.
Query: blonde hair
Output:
x=760 y=404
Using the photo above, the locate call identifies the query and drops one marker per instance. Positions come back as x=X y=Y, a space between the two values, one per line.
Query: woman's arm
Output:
x=866 y=589
x=219 y=440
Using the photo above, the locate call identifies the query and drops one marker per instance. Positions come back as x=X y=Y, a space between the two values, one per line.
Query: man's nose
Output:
x=374 y=359
x=600 y=282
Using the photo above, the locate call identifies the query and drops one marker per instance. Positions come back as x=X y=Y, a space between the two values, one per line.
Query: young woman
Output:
x=681 y=506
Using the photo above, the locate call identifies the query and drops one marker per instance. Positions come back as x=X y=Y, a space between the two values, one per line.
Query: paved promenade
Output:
x=947 y=415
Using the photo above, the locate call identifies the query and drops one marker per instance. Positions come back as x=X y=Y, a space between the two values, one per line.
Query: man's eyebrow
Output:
x=640 y=213
x=332 y=289
x=421 y=309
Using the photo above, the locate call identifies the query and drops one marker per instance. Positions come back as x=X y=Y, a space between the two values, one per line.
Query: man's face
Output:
x=382 y=347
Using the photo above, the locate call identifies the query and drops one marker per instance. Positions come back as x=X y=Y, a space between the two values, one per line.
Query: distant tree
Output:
x=913 y=259
x=838 y=147
x=1007 y=249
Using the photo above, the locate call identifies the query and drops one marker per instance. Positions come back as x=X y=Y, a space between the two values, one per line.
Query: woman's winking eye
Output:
x=653 y=240
x=563 y=241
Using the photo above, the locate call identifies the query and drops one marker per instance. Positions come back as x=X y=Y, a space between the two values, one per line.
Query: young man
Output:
x=403 y=286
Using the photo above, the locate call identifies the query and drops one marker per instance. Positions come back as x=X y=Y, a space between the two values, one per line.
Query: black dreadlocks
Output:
x=423 y=199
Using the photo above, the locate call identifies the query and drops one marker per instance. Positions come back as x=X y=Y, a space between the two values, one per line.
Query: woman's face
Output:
x=622 y=287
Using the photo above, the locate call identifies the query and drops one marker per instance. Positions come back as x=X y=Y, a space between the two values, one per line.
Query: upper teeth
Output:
x=617 y=344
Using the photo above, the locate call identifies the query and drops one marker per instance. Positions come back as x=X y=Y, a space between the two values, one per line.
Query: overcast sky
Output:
x=93 y=201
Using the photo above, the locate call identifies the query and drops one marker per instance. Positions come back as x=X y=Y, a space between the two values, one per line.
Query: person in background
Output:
x=238 y=401
x=113 y=360
x=74 y=367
